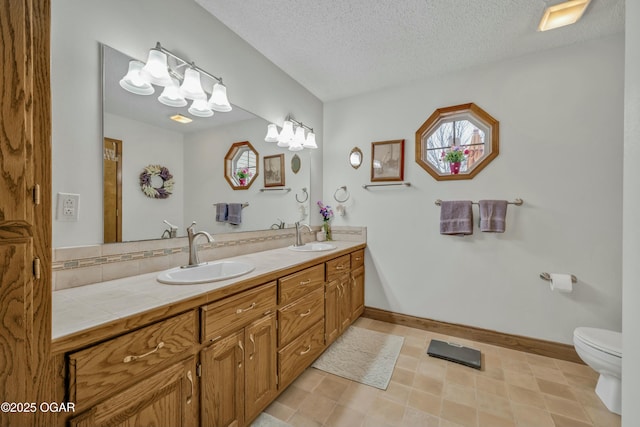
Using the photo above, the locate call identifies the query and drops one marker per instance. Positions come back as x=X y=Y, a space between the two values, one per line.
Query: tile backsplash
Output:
x=84 y=265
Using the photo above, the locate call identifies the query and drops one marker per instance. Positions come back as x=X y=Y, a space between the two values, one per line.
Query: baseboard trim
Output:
x=487 y=336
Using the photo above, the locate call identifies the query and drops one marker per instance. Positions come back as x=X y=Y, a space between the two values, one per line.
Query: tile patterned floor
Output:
x=514 y=389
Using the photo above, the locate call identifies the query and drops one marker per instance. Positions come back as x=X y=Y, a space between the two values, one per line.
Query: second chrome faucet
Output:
x=193 y=248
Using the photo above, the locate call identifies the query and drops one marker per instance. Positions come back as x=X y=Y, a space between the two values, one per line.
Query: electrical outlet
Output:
x=68 y=207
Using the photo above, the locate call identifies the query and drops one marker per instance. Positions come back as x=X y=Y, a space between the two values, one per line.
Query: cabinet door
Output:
x=357 y=292
x=260 y=365
x=25 y=209
x=222 y=382
x=168 y=398
x=331 y=321
x=344 y=301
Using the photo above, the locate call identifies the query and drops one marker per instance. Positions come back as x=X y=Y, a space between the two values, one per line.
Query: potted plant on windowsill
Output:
x=243 y=176
x=455 y=156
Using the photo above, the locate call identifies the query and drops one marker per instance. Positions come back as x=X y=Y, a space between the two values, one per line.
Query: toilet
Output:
x=601 y=349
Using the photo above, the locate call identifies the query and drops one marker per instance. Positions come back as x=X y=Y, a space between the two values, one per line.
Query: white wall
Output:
x=133 y=27
x=560 y=116
x=144 y=145
x=631 y=227
x=205 y=184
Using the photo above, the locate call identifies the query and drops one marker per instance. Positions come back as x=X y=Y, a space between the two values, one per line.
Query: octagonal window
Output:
x=241 y=165
x=457 y=142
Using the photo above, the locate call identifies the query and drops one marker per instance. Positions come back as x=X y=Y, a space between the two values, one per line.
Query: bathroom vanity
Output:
x=213 y=354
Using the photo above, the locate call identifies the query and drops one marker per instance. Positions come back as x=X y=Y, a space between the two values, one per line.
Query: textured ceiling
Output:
x=339 y=48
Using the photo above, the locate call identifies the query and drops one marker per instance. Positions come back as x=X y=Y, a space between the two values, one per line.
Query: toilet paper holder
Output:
x=547 y=277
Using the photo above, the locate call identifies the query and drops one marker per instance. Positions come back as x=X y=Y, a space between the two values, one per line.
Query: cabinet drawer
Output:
x=298 y=355
x=101 y=368
x=300 y=315
x=301 y=283
x=357 y=258
x=337 y=267
x=234 y=312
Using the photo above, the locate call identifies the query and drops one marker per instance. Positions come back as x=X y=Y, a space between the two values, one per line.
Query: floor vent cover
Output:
x=455 y=353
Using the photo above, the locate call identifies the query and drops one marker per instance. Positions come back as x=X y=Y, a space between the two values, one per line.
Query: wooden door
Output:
x=222 y=382
x=260 y=370
x=25 y=209
x=344 y=302
x=331 y=321
x=168 y=398
x=357 y=292
x=112 y=189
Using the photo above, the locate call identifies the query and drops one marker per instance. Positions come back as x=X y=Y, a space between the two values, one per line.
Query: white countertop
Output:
x=84 y=307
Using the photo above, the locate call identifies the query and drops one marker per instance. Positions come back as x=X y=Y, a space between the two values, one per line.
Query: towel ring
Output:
x=335 y=195
x=306 y=196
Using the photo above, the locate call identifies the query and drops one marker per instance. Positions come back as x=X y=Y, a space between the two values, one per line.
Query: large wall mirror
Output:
x=457 y=142
x=194 y=153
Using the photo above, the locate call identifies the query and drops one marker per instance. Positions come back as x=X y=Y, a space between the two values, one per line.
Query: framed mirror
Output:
x=355 y=158
x=241 y=165
x=457 y=142
x=295 y=163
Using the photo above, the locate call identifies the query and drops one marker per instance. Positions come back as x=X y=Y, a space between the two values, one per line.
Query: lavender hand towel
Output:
x=492 y=215
x=221 y=212
x=456 y=217
x=234 y=215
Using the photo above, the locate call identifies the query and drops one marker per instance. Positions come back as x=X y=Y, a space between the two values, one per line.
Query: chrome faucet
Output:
x=193 y=248
x=298 y=235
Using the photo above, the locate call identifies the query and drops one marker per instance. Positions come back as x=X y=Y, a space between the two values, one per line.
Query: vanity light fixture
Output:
x=177 y=87
x=565 y=13
x=288 y=138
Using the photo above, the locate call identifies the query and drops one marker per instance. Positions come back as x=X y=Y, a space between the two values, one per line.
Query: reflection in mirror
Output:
x=457 y=142
x=355 y=158
x=241 y=165
x=295 y=163
x=194 y=153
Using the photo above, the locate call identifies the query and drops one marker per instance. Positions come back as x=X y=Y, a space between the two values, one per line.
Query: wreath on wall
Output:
x=161 y=192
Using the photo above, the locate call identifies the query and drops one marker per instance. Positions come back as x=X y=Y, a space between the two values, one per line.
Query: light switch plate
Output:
x=68 y=207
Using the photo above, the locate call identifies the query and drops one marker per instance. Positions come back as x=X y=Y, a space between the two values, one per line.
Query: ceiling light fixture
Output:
x=559 y=15
x=177 y=87
x=181 y=119
x=288 y=138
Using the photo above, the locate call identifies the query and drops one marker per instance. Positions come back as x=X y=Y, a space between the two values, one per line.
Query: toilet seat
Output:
x=609 y=342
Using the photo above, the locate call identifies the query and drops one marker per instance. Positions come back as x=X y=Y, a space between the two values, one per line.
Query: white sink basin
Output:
x=313 y=247
x=208 y=272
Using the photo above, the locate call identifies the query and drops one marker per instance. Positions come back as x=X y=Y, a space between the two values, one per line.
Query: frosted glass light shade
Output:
x=200 y=108
x=156 y=71
x=191 y=87
x=171 y=95
x=298 y=140
x=272 y=133
x=219 y=100
x=286 y=135
x=310 y=141
x=133 y=82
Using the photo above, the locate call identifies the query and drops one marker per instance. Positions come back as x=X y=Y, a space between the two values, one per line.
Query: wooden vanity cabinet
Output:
x=238 y=370
x=357 y=284
x=167 y=398
x=129 y=380
x=338 y=314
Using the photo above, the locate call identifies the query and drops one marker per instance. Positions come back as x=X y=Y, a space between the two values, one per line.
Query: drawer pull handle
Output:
x=306 y=350
x=305 y=282
x=358 y=258
x=190 y=378
x=340 y=267
x=305 y=314
x=242 y=310
x=132 y=358
x=242 y=358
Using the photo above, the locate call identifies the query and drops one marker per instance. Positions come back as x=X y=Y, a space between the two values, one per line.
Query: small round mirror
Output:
x=355 y=158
